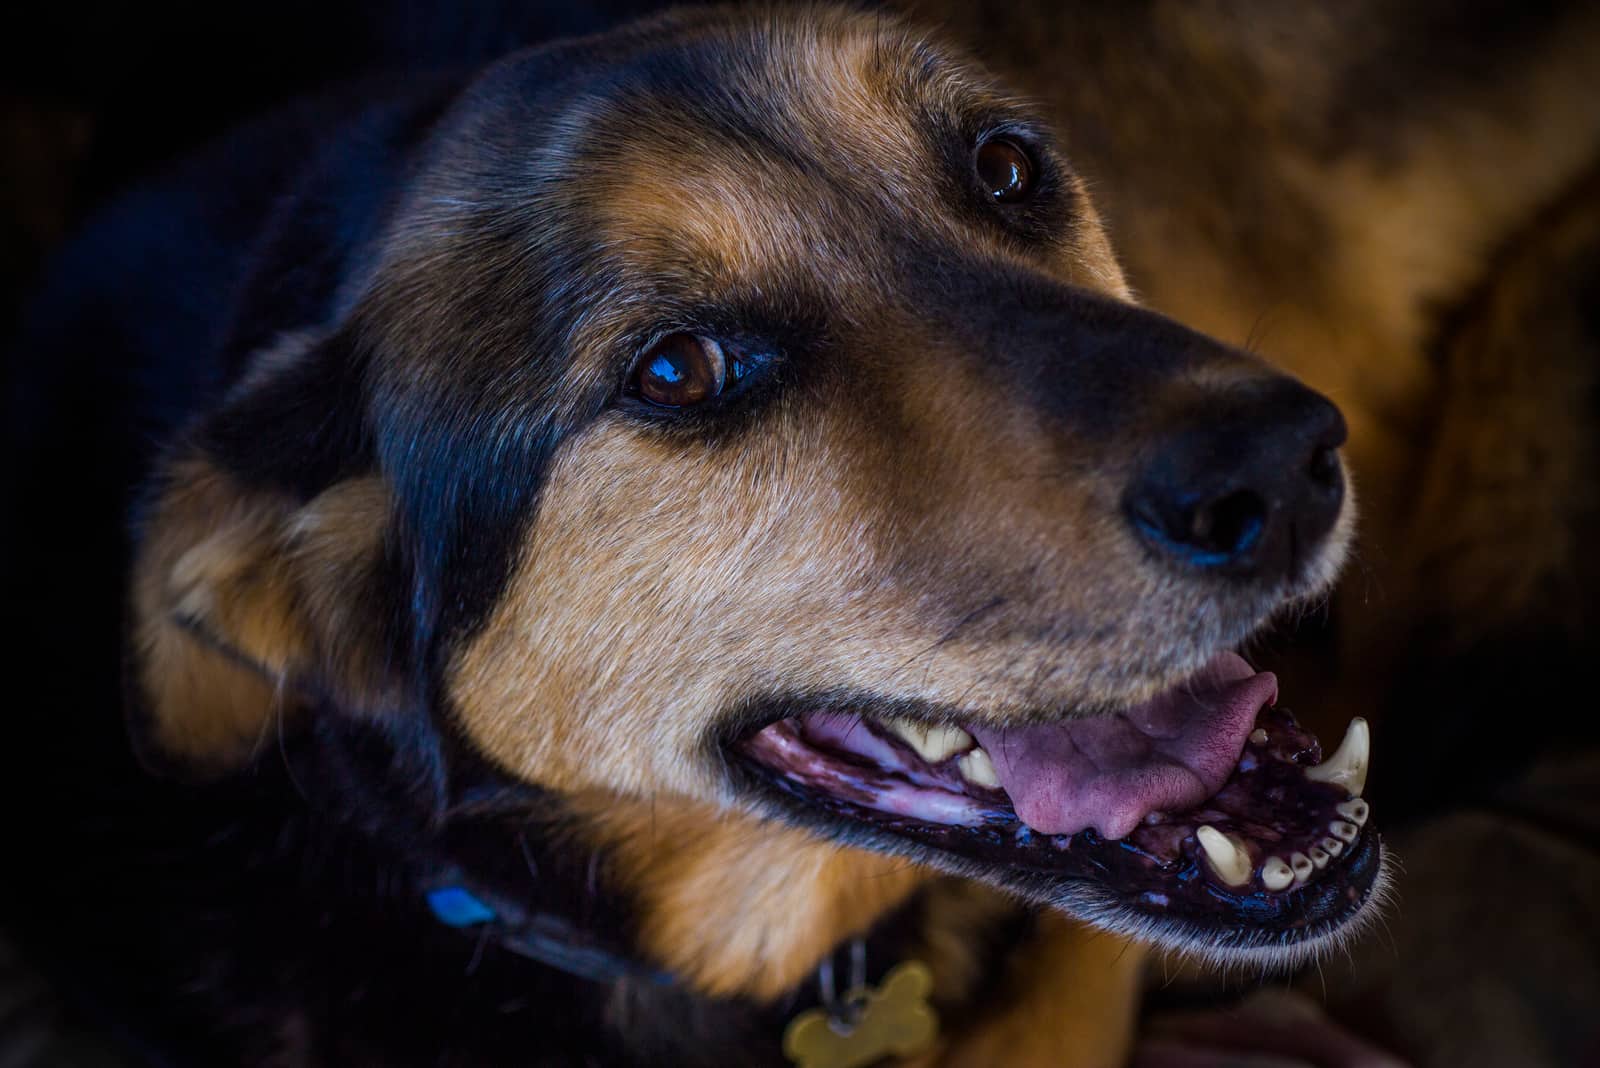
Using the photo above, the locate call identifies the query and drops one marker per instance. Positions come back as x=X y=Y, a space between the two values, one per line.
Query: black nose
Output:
x=1247 y=484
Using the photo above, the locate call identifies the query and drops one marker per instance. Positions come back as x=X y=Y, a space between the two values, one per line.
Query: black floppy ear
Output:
x=263 y=578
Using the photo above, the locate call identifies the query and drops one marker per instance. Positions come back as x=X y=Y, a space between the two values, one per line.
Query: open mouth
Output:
x=1205 y=818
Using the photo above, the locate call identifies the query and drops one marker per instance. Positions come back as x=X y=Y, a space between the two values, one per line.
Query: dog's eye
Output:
x=1004 y=170
x=680 y=371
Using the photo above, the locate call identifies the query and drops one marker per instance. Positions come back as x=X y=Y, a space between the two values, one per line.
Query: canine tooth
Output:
x=1259 y=736
x=1303 y=865
x=1332 y=846
x=1319 y=857
x=1225 y=854
x=976 y=767
x=1344 y=830
x=1355 y=811
x=1276 y=873
x=1347 y=766
x=933 y=744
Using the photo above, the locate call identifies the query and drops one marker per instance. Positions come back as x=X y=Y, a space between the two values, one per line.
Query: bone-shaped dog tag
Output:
x=893 y=1020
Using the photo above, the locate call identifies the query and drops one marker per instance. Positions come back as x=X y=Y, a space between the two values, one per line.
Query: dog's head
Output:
x=748 y=408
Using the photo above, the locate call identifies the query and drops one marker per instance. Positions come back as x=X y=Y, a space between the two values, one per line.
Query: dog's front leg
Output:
x=1069 y=997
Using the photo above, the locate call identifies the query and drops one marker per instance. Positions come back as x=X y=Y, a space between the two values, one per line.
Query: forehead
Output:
x=787 y=144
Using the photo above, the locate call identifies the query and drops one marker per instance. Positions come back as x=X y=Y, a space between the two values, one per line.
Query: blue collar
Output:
x=541 y=936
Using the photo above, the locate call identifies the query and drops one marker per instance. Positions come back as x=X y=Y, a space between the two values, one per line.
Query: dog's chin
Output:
x=1205 y=820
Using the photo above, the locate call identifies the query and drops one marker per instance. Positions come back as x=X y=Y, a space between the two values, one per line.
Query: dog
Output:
x=690 y=509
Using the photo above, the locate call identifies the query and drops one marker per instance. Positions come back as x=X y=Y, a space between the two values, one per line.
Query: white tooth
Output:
x=1276 y=874
x=1355 y=811
x=1259 y=736
x=933 y=744
x=1341 y=829
x=1226 y=855
x=1332 y=846
x=1347 y=766
x=1303 y=865
x=1319 y=857
x=976 y=767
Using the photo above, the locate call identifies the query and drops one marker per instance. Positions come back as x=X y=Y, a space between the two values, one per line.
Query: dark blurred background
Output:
x=94 y=96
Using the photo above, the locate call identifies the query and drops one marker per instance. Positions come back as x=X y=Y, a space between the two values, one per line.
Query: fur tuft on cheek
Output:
x=244 y=603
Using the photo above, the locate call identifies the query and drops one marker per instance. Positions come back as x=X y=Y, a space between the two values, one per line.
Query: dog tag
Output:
x=893 y=1020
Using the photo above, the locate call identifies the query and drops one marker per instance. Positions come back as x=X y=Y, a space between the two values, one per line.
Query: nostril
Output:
x=1324 y=467
x=1228 y=526
x=1224 y=530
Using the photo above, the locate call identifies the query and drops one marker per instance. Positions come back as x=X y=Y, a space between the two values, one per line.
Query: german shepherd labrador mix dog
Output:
x=658 y=536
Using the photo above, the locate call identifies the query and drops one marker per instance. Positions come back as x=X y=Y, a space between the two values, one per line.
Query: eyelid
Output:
x=1037 y=141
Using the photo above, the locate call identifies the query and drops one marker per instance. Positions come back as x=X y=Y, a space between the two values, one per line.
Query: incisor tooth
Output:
x=933 y=744
x=1355 y=811
x=1346 y=831
x=1332 y=846
x=1259 y=736
x=1302 y=865
x=1319 y=857
x=1347 y=766
x=1225 y=855
x=1276 y=873
x=976 y=767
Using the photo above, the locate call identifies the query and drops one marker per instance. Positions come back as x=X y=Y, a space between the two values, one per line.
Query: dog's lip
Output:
x=1278 y=851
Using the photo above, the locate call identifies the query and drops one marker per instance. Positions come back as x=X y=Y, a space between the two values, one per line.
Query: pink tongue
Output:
x=1109 y=772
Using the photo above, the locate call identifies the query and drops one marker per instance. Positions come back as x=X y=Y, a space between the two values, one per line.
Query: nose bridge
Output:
x=1088 y=364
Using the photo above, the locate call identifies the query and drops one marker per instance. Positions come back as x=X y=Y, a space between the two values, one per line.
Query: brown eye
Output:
x=1004 y=170
x=680 y=371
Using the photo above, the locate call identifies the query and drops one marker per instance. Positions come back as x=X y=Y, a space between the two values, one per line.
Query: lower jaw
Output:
x=1158 y=882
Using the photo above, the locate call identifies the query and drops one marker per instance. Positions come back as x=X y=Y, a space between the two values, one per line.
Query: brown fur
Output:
x=782 y=898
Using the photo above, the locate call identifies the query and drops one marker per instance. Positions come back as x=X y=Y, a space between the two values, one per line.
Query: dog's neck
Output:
x=722 y=904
